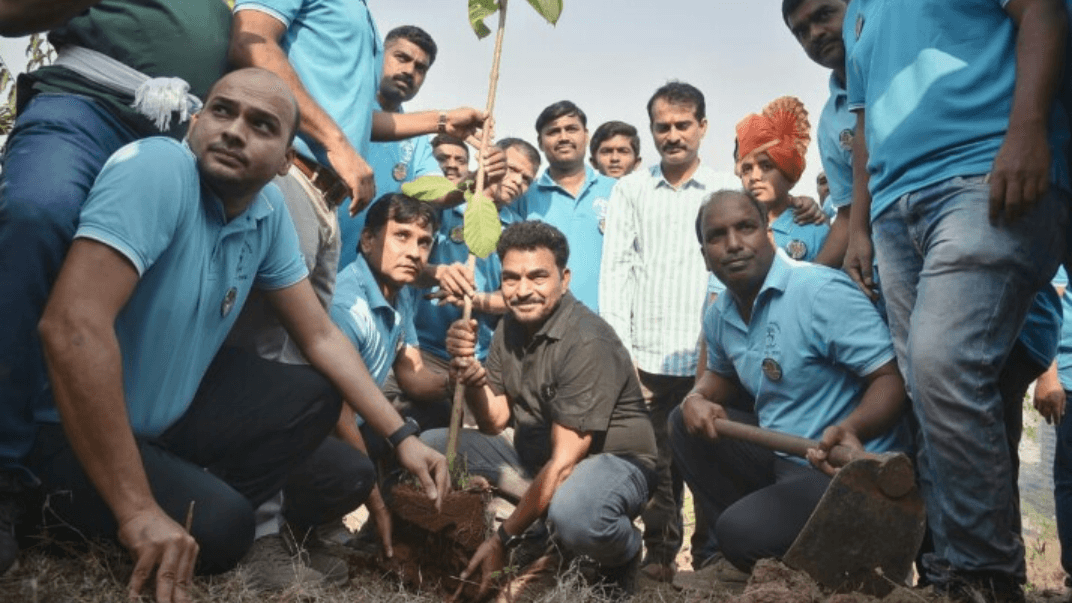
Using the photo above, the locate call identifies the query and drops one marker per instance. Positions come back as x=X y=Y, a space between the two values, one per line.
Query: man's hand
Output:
x=468 y=371
x=1021 y=172
x=835 y=435
x=157 y=542
x=1049 y=397
x=807 y=211
x=429 y=466
x=699 y=415
x=494 y=165
x=489 y=559
x=456 y=279
x=461 y=338
x=356 y=173
x=381 y=518
x=859 y=263
x=464 y=122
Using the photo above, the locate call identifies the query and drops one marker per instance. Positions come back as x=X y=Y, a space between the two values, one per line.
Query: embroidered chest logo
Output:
x=599 y=207
x=771 y=369
x=457 y=234
x=797 y=249
x=548 y=391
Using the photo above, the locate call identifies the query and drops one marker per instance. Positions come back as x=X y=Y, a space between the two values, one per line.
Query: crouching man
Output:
x=158 y=429
x=557 y=372
x=813 y=353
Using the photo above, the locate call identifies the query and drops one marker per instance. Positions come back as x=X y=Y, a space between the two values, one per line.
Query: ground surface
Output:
x=90 y=573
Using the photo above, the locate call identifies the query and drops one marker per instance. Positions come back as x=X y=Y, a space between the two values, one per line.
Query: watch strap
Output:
x=409 y=428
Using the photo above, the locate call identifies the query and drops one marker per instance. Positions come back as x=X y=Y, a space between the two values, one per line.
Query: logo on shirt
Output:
x=548 y=391
x=797 y=249
x=457 y=234
x=845 y=139
x=599 y=207
x=771 y=369
x=400 y=171
x=228 y=302
x=859 y=25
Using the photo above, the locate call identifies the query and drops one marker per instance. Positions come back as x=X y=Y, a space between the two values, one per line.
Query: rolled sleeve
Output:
x=285 y=11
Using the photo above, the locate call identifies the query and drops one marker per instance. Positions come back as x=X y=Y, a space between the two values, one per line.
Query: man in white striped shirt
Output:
x=653 y=283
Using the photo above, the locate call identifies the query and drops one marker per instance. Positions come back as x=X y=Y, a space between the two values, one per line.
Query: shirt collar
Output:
x=657 y=178
x=369 y=287
x=837 y=90
x=260 y=208
x=554 y=327
x=545 y=180
x=777 y=280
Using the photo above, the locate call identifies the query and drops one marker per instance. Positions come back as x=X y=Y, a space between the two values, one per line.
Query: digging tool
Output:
x=867 y=528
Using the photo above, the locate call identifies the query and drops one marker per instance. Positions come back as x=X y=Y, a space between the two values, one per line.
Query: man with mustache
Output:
x=653 y=286
x=452 y=156
x=408 y=53
x=148 y=424
x=813 y=353
x=560 y=376
x=570 y=195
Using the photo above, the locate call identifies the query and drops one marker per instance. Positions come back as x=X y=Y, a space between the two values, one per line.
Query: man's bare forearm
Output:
x=24 y=17
x=1040 y=44
x=837 y=240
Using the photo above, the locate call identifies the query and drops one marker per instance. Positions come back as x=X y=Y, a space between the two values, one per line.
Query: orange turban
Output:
x=782 y=132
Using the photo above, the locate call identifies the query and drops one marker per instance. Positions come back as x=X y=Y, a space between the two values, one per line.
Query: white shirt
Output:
x=653 y=281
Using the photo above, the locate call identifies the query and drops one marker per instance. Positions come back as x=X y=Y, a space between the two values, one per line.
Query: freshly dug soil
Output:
x=432 y=548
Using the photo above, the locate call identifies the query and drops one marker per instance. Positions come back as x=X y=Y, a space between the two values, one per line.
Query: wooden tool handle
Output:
x=784 y=442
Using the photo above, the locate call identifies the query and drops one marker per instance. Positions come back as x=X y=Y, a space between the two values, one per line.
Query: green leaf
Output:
x=478 y=11
x=429 y=188
x=482 y=226
x=548 y=9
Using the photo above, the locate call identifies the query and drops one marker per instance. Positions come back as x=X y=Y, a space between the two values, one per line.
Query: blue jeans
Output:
x=591 y=513
x=53 y=155
x=957 y=291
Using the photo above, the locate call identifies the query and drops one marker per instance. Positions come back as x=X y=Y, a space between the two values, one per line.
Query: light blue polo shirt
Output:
x=835 y=133
x=336 y=50
x=414 y=154
x=1064 y=354
x=799 y=241
x=375 y=327
x=195 y=267
x=582 y=220
x=937 y=79
x=433 y=321
x=812 y=340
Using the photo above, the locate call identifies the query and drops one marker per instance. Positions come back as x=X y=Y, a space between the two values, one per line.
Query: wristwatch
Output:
x=507 y=540
x=441 y=126
x=409 y=428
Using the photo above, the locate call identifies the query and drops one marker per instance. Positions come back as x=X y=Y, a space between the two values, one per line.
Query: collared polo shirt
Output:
x=837 y=127
x=336 y=50
x=581 y=219
x=799 y=241
x=937 y=80
x=574 y=372
x=432 y=320
x=375 y=327
x=196 y=269
x=804 y=356
x=654 y=281
x=393 y=163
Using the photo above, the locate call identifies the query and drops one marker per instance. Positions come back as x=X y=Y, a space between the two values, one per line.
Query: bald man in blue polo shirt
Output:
x=156 y=432
x=813 y=353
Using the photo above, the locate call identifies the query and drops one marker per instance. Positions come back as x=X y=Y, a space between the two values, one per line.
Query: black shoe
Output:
x=11 y=490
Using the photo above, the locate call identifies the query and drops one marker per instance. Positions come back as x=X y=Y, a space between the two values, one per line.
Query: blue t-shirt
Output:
x=582 y=220
x=1041 y=333
x=196 y=269
x=433 y=320
x=336 y=50
x=799 y=241
x=804 y=356
x=1064 y=353
x=937 y=80
x=375 y=327
x=835 y=133
x=414 y=154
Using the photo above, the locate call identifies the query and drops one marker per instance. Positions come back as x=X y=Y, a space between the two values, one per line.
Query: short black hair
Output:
x=562 y=108
x=448 y=139
x=788 y=6
x=680 y=93
x=416 y=35
x=523 y=145
x=530 y=235
x=611 y=129
x=719 y=195
x=402 y=209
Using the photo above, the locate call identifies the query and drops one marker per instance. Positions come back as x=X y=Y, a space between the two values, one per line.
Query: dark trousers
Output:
x=254 y=427
x=663 y=526
x=755 y=501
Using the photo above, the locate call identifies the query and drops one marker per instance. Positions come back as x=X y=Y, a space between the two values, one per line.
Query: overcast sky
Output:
x=608 y=57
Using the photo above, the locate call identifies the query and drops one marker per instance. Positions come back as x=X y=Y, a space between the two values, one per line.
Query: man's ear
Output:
x=770 y=236
x=288 y=159
x=565 y=279
x=592 y=160
x=703 y=127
